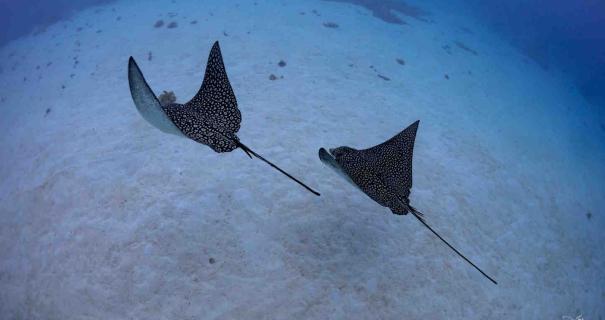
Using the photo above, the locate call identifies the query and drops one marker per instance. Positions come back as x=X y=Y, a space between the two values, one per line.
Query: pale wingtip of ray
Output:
x=131 y=62
x=146 y=102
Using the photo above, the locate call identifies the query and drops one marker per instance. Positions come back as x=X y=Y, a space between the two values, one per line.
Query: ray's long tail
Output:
x=248 y=151
x=418 y=216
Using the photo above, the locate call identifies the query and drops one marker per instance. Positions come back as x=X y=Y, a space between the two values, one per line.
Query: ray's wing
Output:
x=393 y=160
x=215 y=99
x=146 y=102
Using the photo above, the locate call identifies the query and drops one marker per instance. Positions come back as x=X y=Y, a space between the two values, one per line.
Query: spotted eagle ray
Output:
x=384 y=173
x=211 y=117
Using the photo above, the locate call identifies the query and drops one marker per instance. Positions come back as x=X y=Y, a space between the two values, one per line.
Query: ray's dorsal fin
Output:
x=146 y=102
x=215 y=98
x=394 y=158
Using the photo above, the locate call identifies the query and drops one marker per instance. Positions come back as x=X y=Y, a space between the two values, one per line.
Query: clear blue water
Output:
x=104 y=216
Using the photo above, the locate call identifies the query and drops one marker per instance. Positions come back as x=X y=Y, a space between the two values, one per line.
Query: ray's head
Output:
x=341 y=151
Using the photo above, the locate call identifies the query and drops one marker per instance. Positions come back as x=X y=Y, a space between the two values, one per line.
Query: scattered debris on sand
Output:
x=158 y=24
x=465 y=48
x=384 y=77
x=272 y=77
x=172 y=25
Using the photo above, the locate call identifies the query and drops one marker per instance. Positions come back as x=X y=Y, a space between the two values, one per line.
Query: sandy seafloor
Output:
x=104 y=217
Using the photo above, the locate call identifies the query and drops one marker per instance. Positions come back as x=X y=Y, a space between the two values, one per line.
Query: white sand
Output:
x=104 y=217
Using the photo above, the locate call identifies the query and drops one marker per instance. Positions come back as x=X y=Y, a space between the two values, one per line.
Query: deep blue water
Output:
x=563 y=34
x=568 y=35
x=18 y=18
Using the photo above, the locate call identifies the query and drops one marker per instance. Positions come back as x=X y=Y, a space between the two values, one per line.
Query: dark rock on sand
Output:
x=386 y=10
x=465 y=48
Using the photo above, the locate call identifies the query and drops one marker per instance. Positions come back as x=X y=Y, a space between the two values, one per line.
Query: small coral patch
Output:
x=167 y=97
